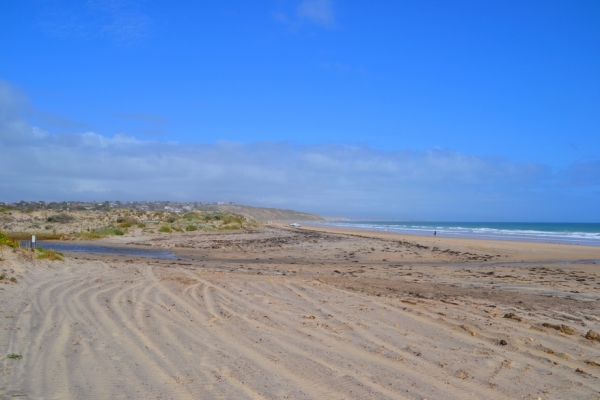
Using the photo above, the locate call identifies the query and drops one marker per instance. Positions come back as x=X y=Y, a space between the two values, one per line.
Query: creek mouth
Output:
x=169 y=255
x=109 y=250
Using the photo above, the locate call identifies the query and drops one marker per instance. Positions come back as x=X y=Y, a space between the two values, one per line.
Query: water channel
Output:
x=110 y=250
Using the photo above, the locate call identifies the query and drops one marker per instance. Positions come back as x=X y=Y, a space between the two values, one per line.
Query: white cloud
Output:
x=317 y=11
x=331 y=179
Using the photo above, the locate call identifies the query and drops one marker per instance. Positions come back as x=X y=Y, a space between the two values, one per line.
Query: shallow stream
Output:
x=94 y=249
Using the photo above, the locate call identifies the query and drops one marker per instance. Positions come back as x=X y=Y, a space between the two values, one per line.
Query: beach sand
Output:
x=310 y=313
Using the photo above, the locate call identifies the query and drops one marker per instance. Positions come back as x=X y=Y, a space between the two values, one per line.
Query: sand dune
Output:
x=112 y=327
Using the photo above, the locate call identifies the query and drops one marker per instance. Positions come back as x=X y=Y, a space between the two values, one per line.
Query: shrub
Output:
x=60 y=218
x=212 y=216
x=232 y=218
x=14 y=356
x=190 y=216
x=172 y=219
x=191 y=228
x=126 y=222
x=165 y=229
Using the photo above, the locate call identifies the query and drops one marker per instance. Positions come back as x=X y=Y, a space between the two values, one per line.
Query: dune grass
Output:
x=39 y=236
x=211 y=220
x=75 y=226
x=61 y=218
x=53 y=255
x=6 y=240
x=126 y=222
x=100 y=233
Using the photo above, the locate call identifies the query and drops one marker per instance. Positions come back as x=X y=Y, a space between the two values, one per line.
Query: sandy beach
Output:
x=309 y=313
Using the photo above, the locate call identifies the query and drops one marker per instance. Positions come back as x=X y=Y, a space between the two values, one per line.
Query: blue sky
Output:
x=400 y=109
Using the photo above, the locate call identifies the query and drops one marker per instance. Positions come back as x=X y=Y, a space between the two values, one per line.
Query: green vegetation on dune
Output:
x=44 y=254
x=126 y=222
x=228 y=227
x=217 y=220
x=100 y=233
x=40 y=236
x=6 y=240
x=92 y=234
x=99 y=224
x=61 y=218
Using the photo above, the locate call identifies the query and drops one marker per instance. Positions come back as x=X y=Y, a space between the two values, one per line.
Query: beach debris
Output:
x=462 y=374
x=566 y=329
x=593 y=363
x=449 y=302
x=469 y=329
x=502 y=342
x=537 y=328
x=579 y=370
x=591 y=335
x=513 y=316
x=310 y=317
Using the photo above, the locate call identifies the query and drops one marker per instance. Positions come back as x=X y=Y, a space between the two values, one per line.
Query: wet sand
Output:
x=306 y=313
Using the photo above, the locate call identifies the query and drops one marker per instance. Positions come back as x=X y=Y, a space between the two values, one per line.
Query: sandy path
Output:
x=99 y=329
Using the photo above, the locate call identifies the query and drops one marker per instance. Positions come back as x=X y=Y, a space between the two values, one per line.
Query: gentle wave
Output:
x=560 y=233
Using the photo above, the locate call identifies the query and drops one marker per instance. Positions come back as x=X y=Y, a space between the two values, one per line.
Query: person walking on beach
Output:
x=434 y=233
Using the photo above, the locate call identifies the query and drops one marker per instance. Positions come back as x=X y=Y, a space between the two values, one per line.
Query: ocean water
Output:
x=569 y=233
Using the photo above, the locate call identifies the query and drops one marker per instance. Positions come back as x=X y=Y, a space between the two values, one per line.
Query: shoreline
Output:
x=513 y=252
x=516 y=237
x=532 y=251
